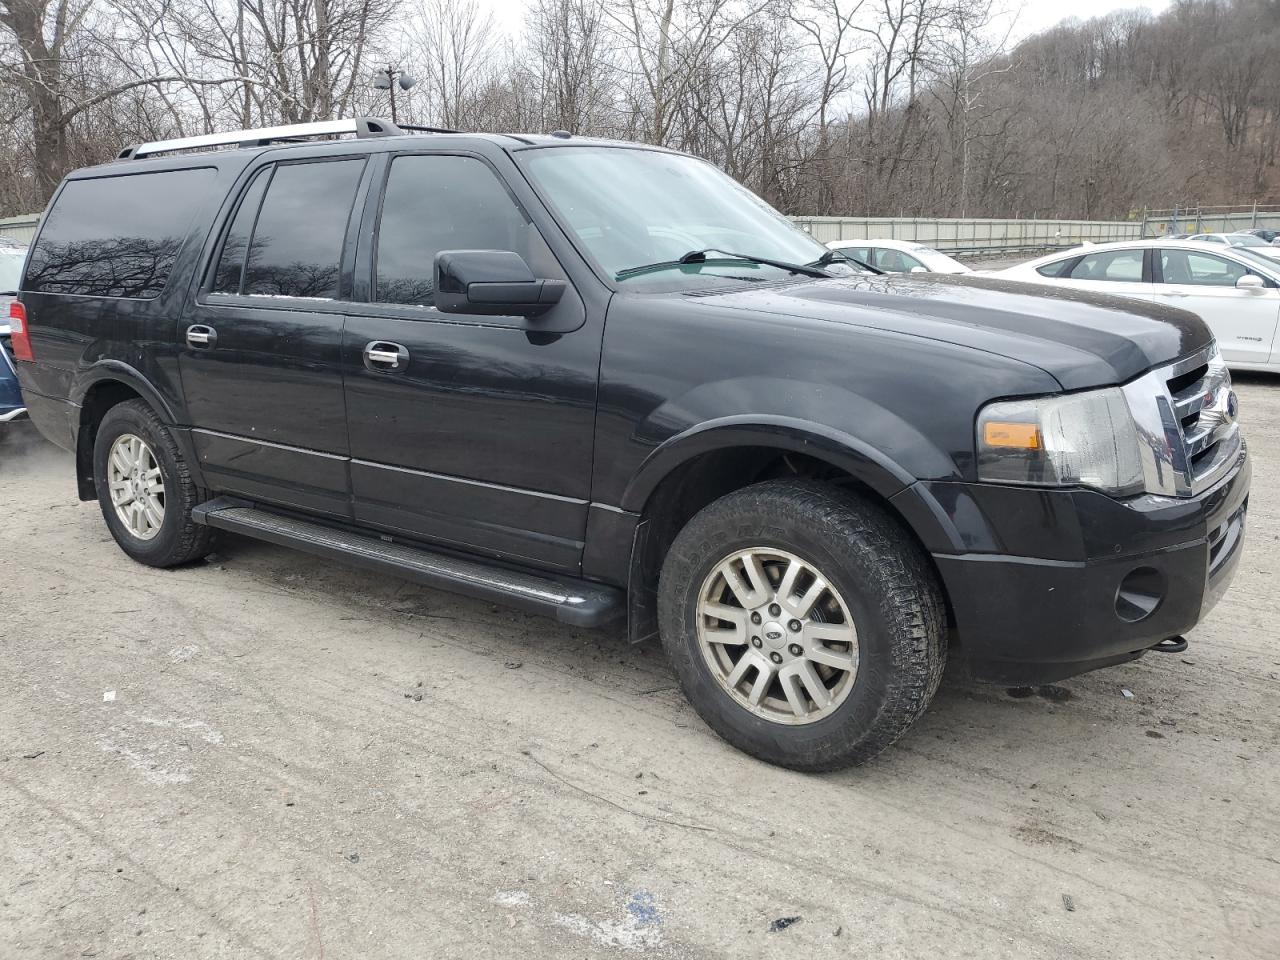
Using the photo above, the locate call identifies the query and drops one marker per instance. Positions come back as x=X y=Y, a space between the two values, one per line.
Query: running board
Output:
x=575 y=602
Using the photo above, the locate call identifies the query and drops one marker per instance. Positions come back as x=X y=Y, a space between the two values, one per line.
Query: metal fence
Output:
x=22 y=229
x=1198 y=219
x=975 y=235
x=969 y=236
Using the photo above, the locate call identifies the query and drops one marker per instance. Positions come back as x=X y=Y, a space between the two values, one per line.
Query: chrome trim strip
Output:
x=255 y=441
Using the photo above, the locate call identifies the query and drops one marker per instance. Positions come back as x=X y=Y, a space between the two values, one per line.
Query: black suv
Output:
x=605 y=382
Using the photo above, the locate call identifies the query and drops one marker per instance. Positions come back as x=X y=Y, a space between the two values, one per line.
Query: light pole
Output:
x=388 y=79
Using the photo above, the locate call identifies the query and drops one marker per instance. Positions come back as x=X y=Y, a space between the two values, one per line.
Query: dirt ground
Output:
x=267 y=755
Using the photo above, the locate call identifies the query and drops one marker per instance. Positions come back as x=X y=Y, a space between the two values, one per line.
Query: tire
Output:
x=176 y=539
x=876 y=578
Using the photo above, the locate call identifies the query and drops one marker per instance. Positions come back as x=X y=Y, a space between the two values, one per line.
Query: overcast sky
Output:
x=1034 y=15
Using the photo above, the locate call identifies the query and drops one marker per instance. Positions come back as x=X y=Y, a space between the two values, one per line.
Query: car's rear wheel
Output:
x=145 y=489
x=804 y=624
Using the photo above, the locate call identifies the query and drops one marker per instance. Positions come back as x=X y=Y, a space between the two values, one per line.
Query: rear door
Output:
x=1121 y=272
x=261 y=349
x=480 y=434
x=1244 y=321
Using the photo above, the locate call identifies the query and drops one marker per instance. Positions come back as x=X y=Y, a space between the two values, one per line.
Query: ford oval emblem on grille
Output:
x=1233 y=406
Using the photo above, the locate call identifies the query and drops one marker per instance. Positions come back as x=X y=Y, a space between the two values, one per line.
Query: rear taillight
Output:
x=21 y=342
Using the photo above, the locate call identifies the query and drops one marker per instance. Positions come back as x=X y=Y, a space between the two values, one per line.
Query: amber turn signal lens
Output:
x=1024 y=436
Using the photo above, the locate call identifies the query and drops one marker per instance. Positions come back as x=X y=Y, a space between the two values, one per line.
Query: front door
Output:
x=469 y=431
x=261 y=352
x=1242 y=320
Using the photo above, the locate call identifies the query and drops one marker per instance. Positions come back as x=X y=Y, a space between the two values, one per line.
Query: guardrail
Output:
x=22 y=229
x=972 y=235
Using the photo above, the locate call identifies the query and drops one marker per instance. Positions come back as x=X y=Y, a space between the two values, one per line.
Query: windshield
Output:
x=1246 y=240
x=11 y=269
x=631 y=208
x=1262 y=259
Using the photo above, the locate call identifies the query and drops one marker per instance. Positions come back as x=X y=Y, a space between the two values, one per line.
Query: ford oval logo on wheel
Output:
x=774 y=635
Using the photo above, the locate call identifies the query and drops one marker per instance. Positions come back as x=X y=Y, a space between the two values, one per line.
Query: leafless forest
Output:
x=893 y=107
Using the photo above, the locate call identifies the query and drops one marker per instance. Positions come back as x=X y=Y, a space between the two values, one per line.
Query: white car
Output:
x=1246 y=240
x=899 y=256
x=1236 y=290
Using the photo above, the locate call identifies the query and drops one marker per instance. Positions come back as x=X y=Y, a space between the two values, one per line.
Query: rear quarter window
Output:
x=1056 y=268
x=116 y=236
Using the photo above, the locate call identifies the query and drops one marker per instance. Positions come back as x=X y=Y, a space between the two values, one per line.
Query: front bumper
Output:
x=1060 y=603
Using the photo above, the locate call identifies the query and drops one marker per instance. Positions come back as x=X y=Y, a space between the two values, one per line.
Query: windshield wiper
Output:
x=700 y=256
x=831 y=256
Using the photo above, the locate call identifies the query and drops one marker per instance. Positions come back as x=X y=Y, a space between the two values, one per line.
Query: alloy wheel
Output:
x=777 y=636
x=137 y=486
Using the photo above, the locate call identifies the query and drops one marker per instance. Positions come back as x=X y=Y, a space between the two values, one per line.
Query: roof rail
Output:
x=362 y=127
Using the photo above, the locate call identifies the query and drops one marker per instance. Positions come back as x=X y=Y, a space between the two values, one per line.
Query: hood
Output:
x=1083 y=339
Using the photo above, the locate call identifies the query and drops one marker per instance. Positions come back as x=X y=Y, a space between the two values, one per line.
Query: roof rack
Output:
x=362 y=127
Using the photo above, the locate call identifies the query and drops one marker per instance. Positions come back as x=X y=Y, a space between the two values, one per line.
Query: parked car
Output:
x=899 y=256
x=1270 y=236
x=605 y=382
x=1245 y=240
x=1235 y=289
x=12 y=256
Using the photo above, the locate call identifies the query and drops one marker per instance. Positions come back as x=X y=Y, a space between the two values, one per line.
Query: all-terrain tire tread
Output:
x=193 y=540
x=903 y=584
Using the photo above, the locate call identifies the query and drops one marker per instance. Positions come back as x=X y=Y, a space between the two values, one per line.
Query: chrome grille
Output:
x=1186 y=414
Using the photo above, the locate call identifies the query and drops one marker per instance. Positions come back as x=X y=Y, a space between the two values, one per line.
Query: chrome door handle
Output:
x=201 y=337
x=384 y=357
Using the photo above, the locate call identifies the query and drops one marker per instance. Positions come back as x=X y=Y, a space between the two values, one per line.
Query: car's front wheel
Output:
x=803 y=623
x=145 y=489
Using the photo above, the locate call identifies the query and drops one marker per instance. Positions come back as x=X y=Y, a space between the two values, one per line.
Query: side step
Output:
x=575 y=602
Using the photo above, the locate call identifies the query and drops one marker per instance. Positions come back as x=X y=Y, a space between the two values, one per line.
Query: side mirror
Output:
x=491 y=283
x=919 y=269
x=1250 y=281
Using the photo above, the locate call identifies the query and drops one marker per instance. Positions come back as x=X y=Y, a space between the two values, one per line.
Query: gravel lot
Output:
x=270 y=756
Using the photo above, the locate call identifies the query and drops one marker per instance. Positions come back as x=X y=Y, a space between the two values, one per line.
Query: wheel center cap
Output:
x=774 y=635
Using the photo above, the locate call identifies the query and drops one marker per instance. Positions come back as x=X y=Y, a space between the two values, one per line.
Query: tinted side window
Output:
x=895 y=261
x=235 y=245
x=297 y=242
x=447 y=203
x=1122 y=266
x=116 y=236
x=1055 y=269
x=1201 y=269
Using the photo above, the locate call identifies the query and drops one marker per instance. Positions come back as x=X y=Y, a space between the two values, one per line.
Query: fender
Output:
x=121 y=372
x=117 y=371
x=854 y=456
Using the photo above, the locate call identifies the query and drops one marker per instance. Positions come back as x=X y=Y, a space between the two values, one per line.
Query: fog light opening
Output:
x=1140 y=594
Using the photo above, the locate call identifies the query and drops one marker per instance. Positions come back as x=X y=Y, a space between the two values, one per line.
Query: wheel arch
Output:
x=103 y=386
x=860 y=460
x=714 y=459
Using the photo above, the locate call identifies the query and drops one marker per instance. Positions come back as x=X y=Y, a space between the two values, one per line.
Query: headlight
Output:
x=1087 y=439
